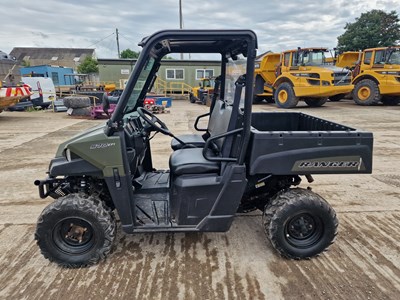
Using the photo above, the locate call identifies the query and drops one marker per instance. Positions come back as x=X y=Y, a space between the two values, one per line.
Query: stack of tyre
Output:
x=78 y=106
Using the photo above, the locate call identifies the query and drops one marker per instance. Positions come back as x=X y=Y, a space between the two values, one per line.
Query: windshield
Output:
x=140 y=84
x=394 y=57
x=234 y=68
x=312 y=58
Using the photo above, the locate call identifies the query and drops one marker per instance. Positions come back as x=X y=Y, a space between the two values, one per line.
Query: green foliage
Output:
x=25 y=63
x=128 y=53
x=375 y=28
x=89 y=65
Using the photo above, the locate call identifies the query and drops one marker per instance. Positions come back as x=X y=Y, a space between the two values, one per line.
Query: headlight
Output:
x=310 y=75
x=388 y=73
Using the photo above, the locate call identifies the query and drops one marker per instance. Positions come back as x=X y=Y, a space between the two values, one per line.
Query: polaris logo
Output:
x=329 y=164
x=101 y=146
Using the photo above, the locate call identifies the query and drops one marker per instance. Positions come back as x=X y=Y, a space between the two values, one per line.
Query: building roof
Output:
x=30 y=53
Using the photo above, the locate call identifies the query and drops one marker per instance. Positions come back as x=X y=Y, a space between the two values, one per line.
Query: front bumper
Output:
x=322 y=91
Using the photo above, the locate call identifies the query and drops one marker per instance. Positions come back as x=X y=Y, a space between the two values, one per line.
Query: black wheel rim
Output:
x=303 y=230
x=74 y=236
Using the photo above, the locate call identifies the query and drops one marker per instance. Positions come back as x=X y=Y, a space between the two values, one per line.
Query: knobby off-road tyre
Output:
x=336 y=98
x=390 y=100
x=299 y=223
x=192 y=98
x=257 y=99
x=86 y=111
x=77 y=102
x=315 y=102
x=285 y=97
x=76 y=231
x=366 y=92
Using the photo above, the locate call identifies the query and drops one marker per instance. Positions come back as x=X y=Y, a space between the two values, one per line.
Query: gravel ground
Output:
x=363 y=263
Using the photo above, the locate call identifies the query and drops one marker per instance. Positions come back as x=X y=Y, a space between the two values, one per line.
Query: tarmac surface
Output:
x=363 y=263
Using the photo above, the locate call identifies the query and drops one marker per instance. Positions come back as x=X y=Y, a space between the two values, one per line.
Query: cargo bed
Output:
x=296 y=143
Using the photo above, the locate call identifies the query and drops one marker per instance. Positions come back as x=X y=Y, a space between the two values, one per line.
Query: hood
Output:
x=94 y=131
x=335 y=69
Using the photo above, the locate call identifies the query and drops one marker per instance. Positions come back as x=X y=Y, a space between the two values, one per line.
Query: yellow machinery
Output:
x=301 y=74
x=203 y=91
x=375 y=75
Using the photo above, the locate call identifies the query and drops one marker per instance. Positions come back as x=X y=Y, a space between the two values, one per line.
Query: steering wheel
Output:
x=153 y=121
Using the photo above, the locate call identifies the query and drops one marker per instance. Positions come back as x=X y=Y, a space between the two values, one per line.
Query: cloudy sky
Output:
x=279 y=24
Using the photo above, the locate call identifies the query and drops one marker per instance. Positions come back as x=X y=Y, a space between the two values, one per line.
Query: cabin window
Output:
x=379 y=57
x=367 y=57
x=204 y=73
x=54 y=76
x=286 y=59
x=177 y=74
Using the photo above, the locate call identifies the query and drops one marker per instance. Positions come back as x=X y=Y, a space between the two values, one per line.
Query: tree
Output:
x=89 y=65
x=128 y=53
x=375 y=28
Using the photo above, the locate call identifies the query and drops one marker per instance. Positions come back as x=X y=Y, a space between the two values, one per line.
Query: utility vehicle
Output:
x=241 y=161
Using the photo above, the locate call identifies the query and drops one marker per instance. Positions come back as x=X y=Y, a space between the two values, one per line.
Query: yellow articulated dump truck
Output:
x=375 y=74
x=201 y=92
x=301 y=74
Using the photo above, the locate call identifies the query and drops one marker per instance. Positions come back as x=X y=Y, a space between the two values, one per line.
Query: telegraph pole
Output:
x=116 y=33
x=180 y=20
x=180 y=15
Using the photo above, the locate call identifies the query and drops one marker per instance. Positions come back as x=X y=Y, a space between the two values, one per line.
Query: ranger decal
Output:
x=101 y=145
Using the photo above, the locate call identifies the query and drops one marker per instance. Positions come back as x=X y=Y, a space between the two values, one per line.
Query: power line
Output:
x=101 y=40
x=54 y=33
x=124 y=36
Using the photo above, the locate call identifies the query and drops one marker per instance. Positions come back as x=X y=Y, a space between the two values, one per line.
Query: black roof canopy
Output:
x=231 y=42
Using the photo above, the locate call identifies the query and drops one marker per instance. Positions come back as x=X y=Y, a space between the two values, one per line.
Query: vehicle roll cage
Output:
x=228 y=43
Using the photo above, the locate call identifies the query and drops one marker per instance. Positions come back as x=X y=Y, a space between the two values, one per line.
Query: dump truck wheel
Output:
x=390 y=100
x=285 y=97
x=315 y=102
x=366 y=92
x=192 y=98
x=257 y=99
x=336 y=98
x=76 y=231
x=299 y=223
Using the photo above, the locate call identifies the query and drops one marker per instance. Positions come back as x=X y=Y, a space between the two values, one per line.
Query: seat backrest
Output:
x=219 y=121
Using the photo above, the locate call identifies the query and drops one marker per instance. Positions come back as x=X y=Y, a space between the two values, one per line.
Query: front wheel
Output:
x=299 y=223
x=192 y=98
x=315 y=102
x=285 y=97
x=366 y=92
x=76 y=231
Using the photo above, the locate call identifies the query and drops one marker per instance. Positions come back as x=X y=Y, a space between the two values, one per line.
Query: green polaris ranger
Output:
x=240 y=162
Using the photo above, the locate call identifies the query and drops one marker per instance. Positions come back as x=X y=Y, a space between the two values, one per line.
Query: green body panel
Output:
x=97 y=148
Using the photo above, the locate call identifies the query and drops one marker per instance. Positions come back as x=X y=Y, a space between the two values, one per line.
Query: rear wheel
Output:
x=285 y=97
x=299 y=223
x=366 y=92
x=192 y=98
x=390 y=100
x=257 y=99
x=336 y=98
x=315 y=102
x=76 y=231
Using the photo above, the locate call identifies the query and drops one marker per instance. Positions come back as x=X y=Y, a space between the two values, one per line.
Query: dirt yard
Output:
x=363 y=263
